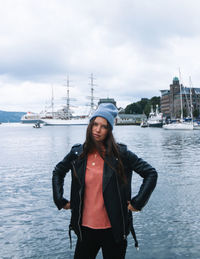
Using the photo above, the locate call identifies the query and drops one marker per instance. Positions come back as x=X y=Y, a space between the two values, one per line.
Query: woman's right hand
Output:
x=67 y=206
x=130 y=207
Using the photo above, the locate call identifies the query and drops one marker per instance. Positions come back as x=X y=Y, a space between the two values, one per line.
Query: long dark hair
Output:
x=109 y=148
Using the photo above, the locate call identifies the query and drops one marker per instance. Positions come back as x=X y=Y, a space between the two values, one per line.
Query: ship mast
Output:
x=191 y=103
x=68 y=100
x=181 y=95
x=52 y=102
x=67 y=113
x=92 y=92
x=92 y=98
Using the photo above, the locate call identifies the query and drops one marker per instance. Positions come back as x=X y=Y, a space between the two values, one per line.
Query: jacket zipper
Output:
x=120 y=199
x=79 y=217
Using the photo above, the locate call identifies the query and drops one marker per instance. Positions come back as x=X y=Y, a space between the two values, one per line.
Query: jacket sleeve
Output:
x=149 y=175
x=59 y=173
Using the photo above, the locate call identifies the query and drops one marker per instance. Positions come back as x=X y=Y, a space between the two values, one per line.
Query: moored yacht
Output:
x=180 y=125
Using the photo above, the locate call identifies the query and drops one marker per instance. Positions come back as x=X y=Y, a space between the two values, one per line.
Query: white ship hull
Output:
x=154 y=124
x=179 y=126
x=59 y=122
x=29 y=121
x=196 y=126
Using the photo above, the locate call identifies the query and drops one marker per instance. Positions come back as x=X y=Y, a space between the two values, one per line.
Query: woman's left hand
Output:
x=130 y=207
x=67 y=206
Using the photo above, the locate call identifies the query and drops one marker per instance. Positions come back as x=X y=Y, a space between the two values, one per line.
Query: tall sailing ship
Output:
x=64 y=116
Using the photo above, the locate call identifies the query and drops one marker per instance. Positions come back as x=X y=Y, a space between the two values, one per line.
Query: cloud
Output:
x=134 y=48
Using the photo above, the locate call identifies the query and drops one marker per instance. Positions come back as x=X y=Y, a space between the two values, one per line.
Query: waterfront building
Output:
x=130 y=119
x=165 y=103
x=171 y=100
x=107 y=100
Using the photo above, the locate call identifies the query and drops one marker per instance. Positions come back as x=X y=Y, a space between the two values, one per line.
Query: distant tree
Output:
x=143 y=106
x=143 y=103
x=154 y=101
x=184 y=113
x=128 y=109
x=134 y=108
x=121 y=110
x=196 y=113
x=147 y=109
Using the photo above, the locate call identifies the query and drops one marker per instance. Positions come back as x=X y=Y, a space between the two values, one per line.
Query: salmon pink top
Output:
x=94 y=211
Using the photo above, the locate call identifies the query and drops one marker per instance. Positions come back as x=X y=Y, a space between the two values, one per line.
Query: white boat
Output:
x=196 y=126
x=179 y=126
x=31 y=117
x=37 y=125
x=64 y=116
x=143 y=124
x=155 y=118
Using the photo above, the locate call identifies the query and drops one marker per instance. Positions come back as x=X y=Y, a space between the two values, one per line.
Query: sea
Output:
x=32 y=227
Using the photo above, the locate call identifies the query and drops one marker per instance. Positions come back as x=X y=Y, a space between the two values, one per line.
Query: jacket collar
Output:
x=81 y=163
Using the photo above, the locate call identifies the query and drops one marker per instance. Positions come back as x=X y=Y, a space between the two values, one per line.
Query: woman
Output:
x=100 y=200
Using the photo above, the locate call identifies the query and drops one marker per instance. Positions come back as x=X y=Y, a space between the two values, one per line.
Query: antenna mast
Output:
x=52 y=102
x=181 y=95
x=191 y=104
x=92 y=92
x=68 y=113
x=67 y=108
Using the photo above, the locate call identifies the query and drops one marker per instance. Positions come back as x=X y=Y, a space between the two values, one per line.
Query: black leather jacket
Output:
x=115 y=192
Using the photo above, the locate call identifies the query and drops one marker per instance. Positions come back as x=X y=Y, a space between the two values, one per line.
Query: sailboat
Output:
x=181 y=124
x=64 y=116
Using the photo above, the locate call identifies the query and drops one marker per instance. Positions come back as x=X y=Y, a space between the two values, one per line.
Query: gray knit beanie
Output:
x=106 y=110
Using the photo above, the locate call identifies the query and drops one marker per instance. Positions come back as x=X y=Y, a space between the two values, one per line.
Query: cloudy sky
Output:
x=134 y=48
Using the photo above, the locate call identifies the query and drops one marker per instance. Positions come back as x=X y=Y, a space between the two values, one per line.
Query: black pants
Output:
x=94 y=239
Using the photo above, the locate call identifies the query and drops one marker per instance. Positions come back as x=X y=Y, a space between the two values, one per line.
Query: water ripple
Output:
x=31 y=226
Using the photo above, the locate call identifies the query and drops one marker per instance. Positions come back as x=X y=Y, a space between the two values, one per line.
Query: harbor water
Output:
x=32 y=227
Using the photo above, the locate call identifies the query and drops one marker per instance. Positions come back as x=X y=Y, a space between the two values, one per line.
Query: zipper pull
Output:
x=70 y=236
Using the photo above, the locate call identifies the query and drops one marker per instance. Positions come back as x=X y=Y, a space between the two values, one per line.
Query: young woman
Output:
x=101 y=201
